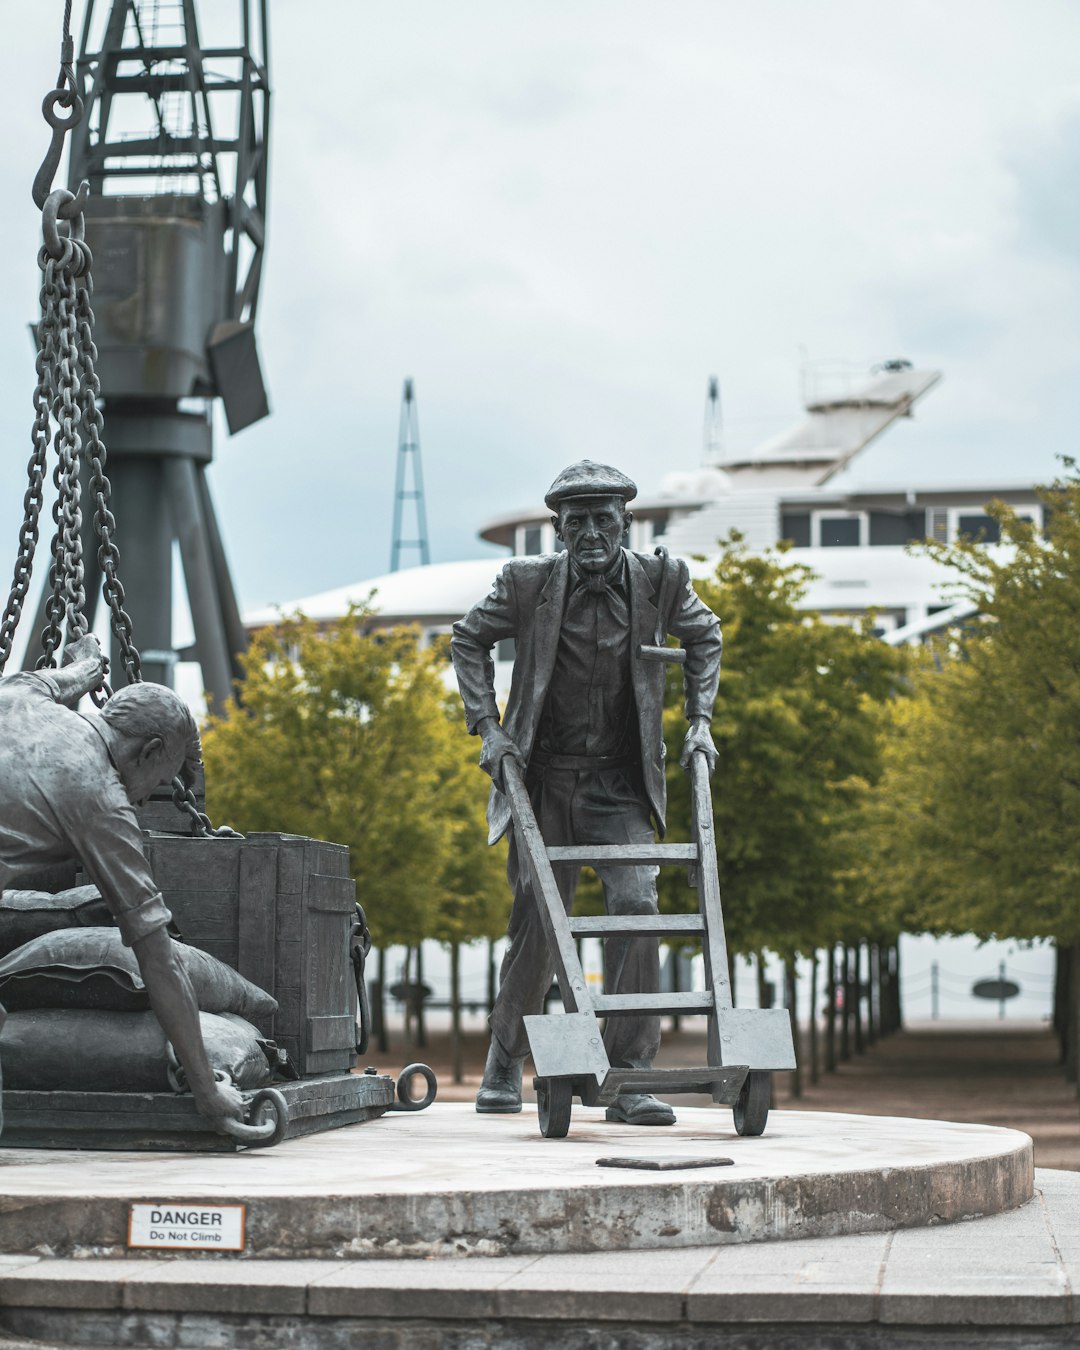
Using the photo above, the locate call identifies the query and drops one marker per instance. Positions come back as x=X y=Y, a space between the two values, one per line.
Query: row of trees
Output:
x=975 y=824
x=862 y=791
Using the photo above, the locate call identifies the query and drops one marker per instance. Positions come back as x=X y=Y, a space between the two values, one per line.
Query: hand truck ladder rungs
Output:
x=744 y=1045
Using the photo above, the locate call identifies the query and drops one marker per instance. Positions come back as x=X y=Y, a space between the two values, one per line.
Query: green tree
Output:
x=797 y=727
x=473 y=898
x=350 y=734
x=981 y=794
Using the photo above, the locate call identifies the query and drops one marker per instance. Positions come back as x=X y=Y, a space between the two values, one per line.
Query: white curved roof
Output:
x=439 y=592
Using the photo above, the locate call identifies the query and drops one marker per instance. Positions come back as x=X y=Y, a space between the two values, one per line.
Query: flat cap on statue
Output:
x=588 y=479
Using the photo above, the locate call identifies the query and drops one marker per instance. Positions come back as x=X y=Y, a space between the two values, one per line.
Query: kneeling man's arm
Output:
x=173 y=1001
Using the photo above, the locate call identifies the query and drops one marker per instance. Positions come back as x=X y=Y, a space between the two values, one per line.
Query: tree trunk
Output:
x=830 y=1012
x=845 y=1012
x=675 y=964
x=764 y=991
x=491 y=976
x=856 y=997
x=406 y=981
x=378 y=1005
x=871 y=992
x=455 y=1012
x=793 y=1012
x=815 y=1065
x=897 y=1009
x=885 y=1026
x=1072 y=1041
x=1062 y=970
x=421 y=1023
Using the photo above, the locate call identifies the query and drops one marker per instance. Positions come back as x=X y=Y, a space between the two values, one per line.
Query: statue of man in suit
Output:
x=584 y=722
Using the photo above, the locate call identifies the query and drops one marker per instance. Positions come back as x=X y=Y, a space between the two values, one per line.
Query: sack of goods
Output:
x=25 y=915
x=88 y=1050
x=80 y=1020
x=91 y=968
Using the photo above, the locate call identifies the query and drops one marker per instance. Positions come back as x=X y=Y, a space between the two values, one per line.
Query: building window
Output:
x=795 y=527
x=532 y=542
x=980 y=527
x=840 y=531
x=937 y=524
x=505 y=649
x=896 y=527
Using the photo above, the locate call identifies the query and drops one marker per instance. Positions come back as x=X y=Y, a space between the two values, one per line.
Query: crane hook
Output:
x=66 y=95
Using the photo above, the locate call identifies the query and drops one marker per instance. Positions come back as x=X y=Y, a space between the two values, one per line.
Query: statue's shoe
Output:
x=638 y=1108
x=500 y=1091
x=498 y=1100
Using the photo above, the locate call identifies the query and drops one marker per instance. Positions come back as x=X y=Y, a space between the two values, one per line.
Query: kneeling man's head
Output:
x=152 y=737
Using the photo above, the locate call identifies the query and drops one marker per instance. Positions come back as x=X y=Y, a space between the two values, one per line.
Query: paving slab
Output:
x=447 y=1182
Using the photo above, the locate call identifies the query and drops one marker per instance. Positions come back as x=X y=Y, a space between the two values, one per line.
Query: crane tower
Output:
x=174 y=143
x=713 y=439
x=409 y=484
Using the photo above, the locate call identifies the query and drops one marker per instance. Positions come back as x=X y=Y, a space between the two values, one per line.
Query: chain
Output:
x=67 y=577
x=34 y=498
x=105 y=530
x=101 y=490
x=68 y=391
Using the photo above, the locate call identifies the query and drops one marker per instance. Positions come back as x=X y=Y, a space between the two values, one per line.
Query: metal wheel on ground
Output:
x=751 y=1111
x=554 y=1098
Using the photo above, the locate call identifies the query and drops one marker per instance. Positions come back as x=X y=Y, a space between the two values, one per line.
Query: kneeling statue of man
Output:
x=68 y=788
x=584 y=722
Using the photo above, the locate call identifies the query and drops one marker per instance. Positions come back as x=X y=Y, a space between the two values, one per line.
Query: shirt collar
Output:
x=95 y=722
x=614 y=579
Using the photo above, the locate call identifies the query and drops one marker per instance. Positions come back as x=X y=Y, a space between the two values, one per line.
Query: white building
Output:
x=853 y=538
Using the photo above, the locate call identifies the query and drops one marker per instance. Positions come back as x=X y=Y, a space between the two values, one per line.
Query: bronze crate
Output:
x=279 y=908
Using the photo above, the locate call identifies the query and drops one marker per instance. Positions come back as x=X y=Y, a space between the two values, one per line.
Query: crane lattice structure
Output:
x=174 y=142
x=713 y=439
x=409 y=471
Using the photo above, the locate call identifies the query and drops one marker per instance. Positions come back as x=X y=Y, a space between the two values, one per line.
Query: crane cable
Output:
x=67 y=393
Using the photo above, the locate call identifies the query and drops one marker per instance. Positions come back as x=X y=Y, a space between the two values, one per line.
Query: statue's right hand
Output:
x=86 y=648
x=495 y=747
x=222 y=1102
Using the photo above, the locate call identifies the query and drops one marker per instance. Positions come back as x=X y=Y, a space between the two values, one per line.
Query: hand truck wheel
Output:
x=554 y=1099
x=751 y=1111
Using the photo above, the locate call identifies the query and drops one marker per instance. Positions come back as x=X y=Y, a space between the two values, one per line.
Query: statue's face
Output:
x=144 y=765
x=592 y=529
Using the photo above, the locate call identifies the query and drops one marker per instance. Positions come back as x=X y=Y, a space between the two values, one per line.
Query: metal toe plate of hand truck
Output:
x=567 y=1045
x=760 y=1038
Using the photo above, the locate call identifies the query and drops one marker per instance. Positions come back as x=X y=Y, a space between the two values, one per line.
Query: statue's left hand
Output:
x=699 y=737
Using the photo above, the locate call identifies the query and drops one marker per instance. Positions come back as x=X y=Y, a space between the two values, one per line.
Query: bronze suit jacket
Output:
x=527 y=604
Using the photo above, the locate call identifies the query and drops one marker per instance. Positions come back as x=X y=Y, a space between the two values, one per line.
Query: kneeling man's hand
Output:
x=699 y=737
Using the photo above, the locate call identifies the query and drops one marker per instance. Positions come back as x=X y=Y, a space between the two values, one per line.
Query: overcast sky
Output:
x=560 y=218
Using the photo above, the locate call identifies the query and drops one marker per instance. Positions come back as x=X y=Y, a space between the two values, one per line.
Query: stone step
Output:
x=1000 y=1281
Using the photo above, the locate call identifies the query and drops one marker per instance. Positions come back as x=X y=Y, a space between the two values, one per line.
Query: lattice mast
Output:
x=174 y=142
x=712 y=454
x=409 y=484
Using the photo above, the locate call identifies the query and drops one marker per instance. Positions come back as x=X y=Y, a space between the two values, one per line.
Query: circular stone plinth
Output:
x=447 y=1182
